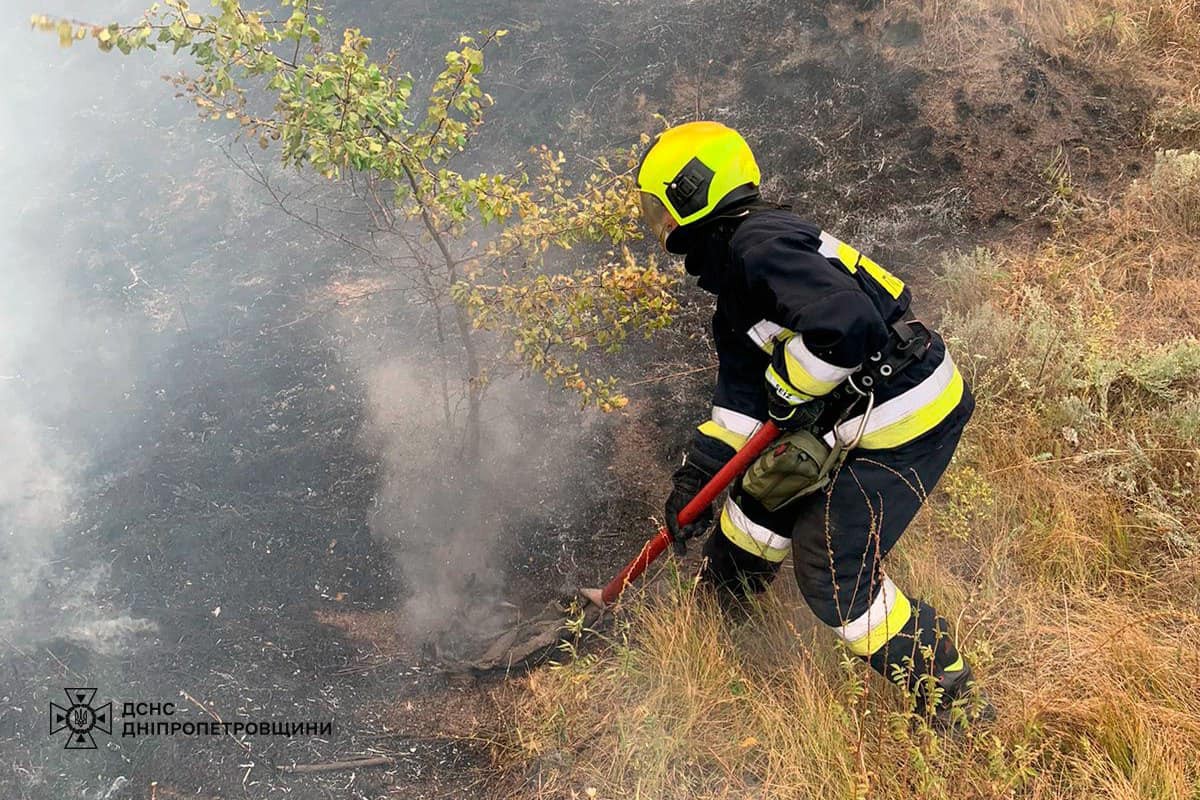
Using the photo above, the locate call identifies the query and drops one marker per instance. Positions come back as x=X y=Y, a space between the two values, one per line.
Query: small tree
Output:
x=336 y=112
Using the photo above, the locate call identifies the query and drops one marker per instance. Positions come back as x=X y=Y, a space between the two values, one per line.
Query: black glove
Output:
x=688 y=480
x=789 y=418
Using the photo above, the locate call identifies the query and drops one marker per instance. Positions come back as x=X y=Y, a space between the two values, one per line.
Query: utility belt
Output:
x=908 y=344
x=801 y=463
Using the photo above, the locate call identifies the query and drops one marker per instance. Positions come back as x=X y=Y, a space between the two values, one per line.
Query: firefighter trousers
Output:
x=838 y=538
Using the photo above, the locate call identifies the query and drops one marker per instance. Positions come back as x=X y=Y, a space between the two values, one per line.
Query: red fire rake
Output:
x=654 y=548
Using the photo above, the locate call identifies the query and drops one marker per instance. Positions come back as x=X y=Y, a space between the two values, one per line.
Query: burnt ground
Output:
x=222 y=543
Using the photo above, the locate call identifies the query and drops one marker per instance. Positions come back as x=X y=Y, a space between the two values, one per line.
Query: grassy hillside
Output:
x=1064 y=541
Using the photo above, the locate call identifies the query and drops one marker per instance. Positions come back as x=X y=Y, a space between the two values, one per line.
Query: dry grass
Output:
x=1156 y=40
x=1096 y=703
x=954 y=26
x=1065 y=543
x=1160 y=34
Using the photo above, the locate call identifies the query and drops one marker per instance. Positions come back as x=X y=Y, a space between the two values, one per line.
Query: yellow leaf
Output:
x=748 y=742
x=193 y=19
x=104 y=35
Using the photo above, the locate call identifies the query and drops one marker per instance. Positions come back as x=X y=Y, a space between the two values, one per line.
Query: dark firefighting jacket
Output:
x=783 y=283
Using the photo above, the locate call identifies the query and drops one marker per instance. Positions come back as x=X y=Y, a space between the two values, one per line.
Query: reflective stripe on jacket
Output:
x=791 y=285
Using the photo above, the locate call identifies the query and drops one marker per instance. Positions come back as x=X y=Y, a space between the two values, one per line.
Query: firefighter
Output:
x=816 y=336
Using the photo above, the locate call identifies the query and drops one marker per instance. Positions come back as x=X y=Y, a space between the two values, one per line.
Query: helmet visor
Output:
x=656 y=217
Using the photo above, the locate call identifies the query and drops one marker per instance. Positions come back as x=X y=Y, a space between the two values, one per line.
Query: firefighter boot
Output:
x=922 y=657
x=953 y=701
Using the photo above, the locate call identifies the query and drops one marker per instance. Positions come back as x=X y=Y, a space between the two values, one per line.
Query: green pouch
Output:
x=796 y=465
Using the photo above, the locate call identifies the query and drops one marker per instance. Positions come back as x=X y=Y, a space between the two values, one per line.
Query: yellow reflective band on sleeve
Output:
x=752 y=537
x=890 y=283
x=804 y=380
x=789 y=392
x=736 y=421
x=765 y=333
x=887 y=616
x=851 y=259
x=920 y=421
x=957 y=666
x=714 y=431
x=729 y=426
x=808 y=372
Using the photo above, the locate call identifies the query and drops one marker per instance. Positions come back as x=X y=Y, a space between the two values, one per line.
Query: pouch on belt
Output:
x=797 y=465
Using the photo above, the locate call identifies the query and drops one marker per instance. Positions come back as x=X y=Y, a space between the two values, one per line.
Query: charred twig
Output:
x=215 y=716
x=61 y=664
x=670 y=375
x=334 y=766
x=409 y=737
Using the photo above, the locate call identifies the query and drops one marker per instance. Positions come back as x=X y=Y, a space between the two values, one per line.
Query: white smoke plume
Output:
x=62 y=364
x=451 y=541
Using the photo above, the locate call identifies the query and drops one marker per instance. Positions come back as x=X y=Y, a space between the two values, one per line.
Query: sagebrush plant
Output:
x=1064 y=546
x=1171 y=195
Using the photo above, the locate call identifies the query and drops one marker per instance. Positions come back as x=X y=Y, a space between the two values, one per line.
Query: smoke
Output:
x=64 y=354
x=38 y=470
x=34 y=480
x=455 y=529
x=417 y=498
x=52 y=355
x=34 y=497
x=101 y=233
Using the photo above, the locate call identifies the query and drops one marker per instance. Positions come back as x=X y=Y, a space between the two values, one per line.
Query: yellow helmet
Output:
x=689 y=173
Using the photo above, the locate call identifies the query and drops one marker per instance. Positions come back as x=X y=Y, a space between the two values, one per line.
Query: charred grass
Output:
x=1155 y=40
x=1064 y=544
